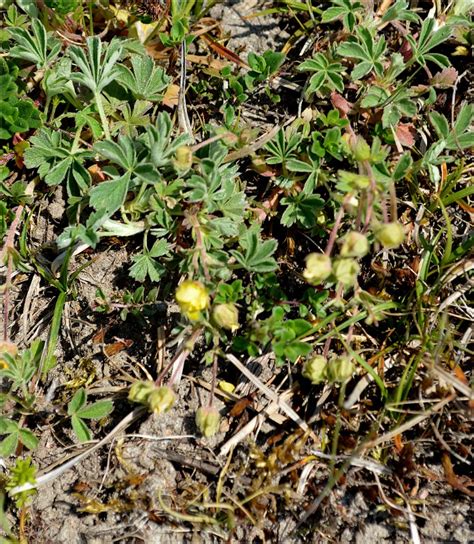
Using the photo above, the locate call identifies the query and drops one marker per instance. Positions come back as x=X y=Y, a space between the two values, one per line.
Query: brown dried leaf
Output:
x=405 y=134
x=171 y=97
x=445 y=78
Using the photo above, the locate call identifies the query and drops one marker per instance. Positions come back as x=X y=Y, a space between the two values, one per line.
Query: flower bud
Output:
x=226 y=316
x=355 y=245
x=207 y=420
x=361 y=149
x=315 y=369
x=318 y=268
x=346 y=271
x=353 y=180
x=390 y=235
x=161 y=399
x=140 y=391
x=183 y=158
x=192 y=298
x=340 y=369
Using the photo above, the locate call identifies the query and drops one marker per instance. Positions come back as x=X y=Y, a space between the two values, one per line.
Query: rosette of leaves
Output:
x=16 y=115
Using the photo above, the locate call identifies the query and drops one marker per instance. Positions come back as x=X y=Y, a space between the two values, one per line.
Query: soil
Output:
x=127 y=490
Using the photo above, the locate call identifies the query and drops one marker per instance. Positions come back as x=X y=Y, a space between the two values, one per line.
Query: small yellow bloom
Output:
x=341 y=369
x=140 y=391
x=346 y=271
x=227 y=387
x=183 y=158
x=192 y=298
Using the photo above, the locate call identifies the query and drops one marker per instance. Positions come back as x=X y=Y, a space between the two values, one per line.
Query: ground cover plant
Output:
x=235 y=283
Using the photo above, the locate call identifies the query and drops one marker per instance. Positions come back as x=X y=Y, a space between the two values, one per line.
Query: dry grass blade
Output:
x=277 y=399
x=253 y=424
x=56 y=472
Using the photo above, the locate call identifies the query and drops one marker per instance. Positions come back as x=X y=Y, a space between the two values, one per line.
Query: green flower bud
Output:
x=353 y=180
x=226 y=316
x=208 y=420
x=361 y=149
x=161 y=399
x=355 y=245
x=318 y=268
x=315 y=369
x=340 y=369
x=183 y=158
x=390 y=235
x=140 y=391
x=346 y=271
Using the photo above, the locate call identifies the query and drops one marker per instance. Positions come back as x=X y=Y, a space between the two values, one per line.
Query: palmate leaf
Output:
x=326 y=73
x=145 y=265
x=37 y=47
x=146 y=81
x=258 y=256
x=109 y=196
x=97 y=69
x=123 y=152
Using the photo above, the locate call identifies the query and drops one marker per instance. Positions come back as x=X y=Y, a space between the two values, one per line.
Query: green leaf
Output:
x=146 y=81
x=403 y=165
x=353 y=50
x=97 y=70
x=440 y=124
x=34 y=47
x=122 y=152
x=258 y=255
x=110 y=195
x=332 y=13
x=28 y=439
x=81 y=430
x=8 y=445
x=77 y=401
x=464 y=119
x=146 y=266
x=97 y=410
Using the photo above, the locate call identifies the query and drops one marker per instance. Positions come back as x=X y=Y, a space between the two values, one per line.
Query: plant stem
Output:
x=103 y=118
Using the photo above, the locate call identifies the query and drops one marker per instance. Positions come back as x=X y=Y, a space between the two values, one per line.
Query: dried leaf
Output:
x=446 y=78
x=405 y=134
x=171 y=97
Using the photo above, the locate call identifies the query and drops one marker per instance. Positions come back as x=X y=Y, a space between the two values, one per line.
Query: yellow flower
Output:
x=341 y=369
x=192 y=298
x=346 y=271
